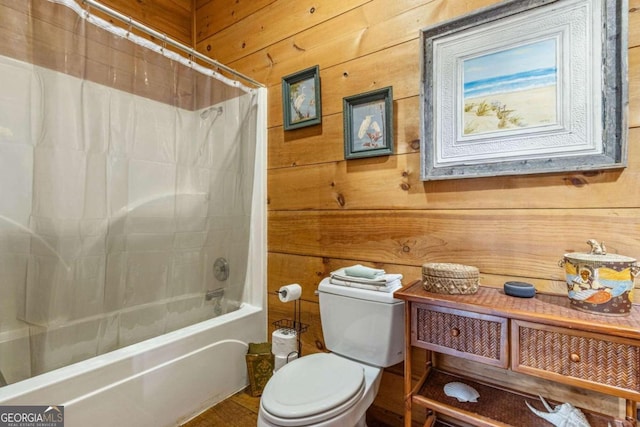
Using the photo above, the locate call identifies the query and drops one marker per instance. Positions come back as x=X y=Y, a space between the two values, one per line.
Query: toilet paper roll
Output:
x=290 y=292
x=284 y=341
x=280 y=361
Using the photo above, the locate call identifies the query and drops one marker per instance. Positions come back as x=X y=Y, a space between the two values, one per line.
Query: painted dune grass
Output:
x=518 y=109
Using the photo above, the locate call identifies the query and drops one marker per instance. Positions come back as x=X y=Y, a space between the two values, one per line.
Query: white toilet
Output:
x=365 y=331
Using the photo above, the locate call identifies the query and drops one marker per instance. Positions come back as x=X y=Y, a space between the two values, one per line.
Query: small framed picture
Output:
x=301 y=99
x=368 y=124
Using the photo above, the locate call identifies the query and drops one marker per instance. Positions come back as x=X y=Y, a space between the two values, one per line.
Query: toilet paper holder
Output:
x=294 y=325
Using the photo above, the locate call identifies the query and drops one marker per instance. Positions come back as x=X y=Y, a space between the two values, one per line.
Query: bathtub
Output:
x=162 y=381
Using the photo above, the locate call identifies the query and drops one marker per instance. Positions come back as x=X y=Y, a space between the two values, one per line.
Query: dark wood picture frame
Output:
x=368 y=124
x=301 y=103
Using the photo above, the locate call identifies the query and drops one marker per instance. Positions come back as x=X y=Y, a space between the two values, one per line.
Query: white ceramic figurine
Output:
x=565 y=415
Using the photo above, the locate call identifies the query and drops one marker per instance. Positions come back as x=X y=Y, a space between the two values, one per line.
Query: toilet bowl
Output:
x=322 y=389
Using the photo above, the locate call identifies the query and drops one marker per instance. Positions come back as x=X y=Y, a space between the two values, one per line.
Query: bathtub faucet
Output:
x=216 y=293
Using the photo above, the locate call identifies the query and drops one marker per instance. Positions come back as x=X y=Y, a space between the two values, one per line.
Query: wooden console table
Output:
x=540 y=336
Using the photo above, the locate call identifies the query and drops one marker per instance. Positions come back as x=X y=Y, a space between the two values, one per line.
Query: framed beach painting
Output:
x=301 y=104
x=368 y=124
x=525 y=87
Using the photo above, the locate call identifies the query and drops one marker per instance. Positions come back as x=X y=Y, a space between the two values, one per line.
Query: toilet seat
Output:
x=312 y=389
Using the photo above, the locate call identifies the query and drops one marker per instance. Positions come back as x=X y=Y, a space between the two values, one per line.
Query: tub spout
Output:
x=216 y=293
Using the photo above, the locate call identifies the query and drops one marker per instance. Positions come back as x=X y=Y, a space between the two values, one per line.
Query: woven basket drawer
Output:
x=472 y=336
x=568 y=356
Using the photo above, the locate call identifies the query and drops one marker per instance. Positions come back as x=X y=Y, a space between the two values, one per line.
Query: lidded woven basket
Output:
x=445 y=278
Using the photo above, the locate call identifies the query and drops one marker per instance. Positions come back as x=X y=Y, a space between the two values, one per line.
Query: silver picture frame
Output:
x=525 y=87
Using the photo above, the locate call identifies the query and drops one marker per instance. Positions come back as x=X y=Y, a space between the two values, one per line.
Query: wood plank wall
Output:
x=325 y=212
x=175 y=18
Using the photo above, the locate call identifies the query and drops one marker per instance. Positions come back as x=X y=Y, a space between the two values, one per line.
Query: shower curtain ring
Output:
x=87 y=10
x=129 y=27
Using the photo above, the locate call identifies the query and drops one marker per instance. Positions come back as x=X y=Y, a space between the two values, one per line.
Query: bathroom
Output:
x=325 y=212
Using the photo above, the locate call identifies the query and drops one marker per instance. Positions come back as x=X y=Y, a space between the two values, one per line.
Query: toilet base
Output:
x=362 y=422
x=354 y=416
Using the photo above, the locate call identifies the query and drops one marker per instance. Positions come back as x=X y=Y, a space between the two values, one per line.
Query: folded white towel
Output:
x=362 y=271
x=390 y=288
x=381 y=280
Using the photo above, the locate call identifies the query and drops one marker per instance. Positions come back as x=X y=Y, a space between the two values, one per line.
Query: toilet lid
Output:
x=311 y=385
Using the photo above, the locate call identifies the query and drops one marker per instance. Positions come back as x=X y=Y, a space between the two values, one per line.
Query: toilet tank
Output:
x=364 y=325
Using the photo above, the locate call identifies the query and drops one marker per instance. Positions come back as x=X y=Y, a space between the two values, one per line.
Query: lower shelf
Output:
x=495 y=407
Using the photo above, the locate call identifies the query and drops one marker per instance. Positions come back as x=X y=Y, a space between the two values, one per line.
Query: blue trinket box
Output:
x=519 y=289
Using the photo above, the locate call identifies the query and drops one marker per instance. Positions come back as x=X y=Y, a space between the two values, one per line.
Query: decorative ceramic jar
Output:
x=598 y=282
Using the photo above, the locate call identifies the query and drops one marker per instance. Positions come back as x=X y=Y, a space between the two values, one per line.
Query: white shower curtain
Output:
x=124 y=174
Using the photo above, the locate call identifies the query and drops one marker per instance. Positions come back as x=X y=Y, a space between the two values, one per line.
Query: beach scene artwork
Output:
x=511 y=89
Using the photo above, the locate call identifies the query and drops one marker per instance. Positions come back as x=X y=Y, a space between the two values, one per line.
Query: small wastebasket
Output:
x=260 y=365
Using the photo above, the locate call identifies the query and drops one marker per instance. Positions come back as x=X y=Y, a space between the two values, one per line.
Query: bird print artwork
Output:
x=297 y=103
x=302 y=101
x=374 y=133
x=370 y=133
x=364 y=126
x=368 y=124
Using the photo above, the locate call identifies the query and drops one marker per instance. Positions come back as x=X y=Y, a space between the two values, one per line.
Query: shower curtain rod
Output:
x=186 y=49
